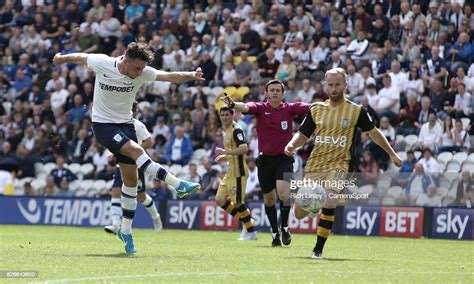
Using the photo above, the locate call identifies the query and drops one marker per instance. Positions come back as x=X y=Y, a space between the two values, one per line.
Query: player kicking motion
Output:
x=231 y=192
x=275 y=129
x=117 y=81
x=334 y=124
x=144 y=140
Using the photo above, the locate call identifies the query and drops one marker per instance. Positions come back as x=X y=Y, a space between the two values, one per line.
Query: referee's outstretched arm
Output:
x=242 y=107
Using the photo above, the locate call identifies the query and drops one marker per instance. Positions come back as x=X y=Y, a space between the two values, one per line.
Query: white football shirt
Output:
x=142 y=133
x=114 y=92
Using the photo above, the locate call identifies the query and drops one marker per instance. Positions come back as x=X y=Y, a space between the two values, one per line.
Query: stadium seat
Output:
x=418 y=155
x=442 y=166
x=448 y=200
x=39 y=168
x=99 y=185
x=453 y=191
x=185 y=170
x=470 y=158
x=384 y=183
x=444 y=183
x=201 y=170
x=451 y=176
x=198 y=154
x=230 y=91
x=37 y=184
x=216 y=91
x=394 y=191
x=193 y=90
x=241 y=93
x=388 y=200
x=402 y=155
x=206 y=90
x=217 y=168
x=468 y=166
x=42 y=176
x=366 y=189
x=443 y=191
x=374 y=200
x=92 y=192
x=211 y=100
x=107 y=187
x=86 y=169
x=465 y=122
x=237 y=60
x=460 y=157
x=175 y=169
x=86 y=184
x=80 y=192
x=400 y=138
x=74 y=168
x=252 y=58
x=49 y=167
x=410 y=141
x=144 y=104
x=445 y=157
x=453 y=167
x=74 y=185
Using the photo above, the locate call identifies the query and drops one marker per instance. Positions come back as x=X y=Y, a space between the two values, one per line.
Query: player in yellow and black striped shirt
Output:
x=231 y=192
x=334 y=124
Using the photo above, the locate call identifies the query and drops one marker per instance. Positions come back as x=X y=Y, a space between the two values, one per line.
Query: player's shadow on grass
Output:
x=125 y=255
x=112 y=255
x=335 y=259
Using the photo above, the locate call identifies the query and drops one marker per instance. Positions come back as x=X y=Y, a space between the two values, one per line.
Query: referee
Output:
x=275 y=130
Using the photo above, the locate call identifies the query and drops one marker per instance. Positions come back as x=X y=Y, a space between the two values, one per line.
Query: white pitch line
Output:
x=220 y=273
x=159 y=274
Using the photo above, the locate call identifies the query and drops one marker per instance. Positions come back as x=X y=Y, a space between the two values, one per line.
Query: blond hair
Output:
x=336 y=71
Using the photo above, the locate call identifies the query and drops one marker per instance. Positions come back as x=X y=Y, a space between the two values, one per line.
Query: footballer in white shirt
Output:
x=144 y=140
x=117 y=81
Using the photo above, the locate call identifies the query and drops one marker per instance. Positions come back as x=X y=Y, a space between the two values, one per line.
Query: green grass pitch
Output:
x=88 y=255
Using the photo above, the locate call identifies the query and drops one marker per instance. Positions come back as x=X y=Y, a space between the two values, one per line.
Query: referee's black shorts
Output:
x=273 y=168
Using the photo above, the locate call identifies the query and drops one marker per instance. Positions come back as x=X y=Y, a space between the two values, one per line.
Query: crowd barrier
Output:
x=411 y=222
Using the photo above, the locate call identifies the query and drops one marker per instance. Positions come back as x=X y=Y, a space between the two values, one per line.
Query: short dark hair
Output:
x=139 y=51
x=226 y=108
x=275 y=81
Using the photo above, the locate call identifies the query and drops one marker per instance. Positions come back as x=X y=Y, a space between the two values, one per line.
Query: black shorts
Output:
x=113 y=136
x=118 y=179
x=273 y=168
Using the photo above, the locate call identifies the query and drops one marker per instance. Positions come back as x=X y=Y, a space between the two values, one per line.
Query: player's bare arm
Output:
x=77 y=58
x=380 y=140
x=242 y=107
x=241 y=150
x=180 y=77
x=297 y=141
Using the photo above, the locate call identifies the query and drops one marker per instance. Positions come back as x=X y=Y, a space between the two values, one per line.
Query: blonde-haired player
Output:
x=231 y=192
x=334 y=124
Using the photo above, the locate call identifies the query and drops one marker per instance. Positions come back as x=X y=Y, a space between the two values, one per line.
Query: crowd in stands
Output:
x=409 y=63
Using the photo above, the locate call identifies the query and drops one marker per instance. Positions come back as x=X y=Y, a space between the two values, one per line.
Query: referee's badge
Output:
x=284 y=125
x=345 y=123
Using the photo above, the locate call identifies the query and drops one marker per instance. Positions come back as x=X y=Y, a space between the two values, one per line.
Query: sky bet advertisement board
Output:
x=446 y=223
x=453 y=223
x=383 y=221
